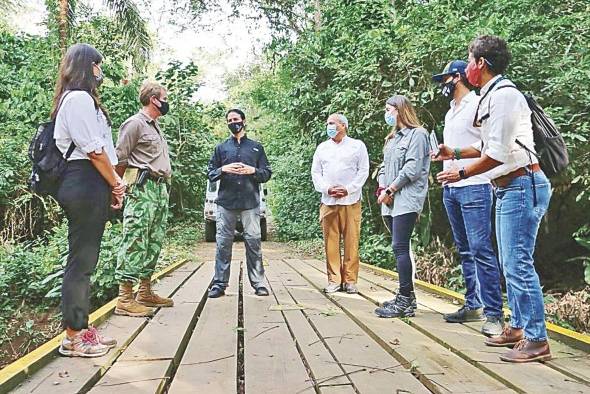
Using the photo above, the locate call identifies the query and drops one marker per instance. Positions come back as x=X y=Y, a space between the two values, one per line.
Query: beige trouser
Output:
x=341 y=221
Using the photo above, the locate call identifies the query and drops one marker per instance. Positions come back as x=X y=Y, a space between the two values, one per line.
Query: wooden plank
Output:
x=370 y=367
x=158 y=348
x=328 y=375
x=271 y=361
x=469 y=345
x=73 y=374
x=209 y=364
x=570 y=361
x=438 y=369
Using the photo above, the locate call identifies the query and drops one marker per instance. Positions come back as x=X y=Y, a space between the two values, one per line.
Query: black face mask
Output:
x=235 y=128
x=164 y=107
x=448 y=89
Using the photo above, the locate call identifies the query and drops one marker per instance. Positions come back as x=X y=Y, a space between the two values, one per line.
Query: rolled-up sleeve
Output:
x=417 y=160
x=82 y=121
x=127 y=140
x=502 y=124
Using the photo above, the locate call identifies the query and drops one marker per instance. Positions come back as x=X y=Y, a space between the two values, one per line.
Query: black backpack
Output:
x=549 y=144
x=48 y=162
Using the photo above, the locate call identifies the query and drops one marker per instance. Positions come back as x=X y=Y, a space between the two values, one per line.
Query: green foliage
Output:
x=365 y=52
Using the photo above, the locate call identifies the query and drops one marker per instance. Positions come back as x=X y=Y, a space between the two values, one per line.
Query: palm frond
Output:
x=133 y=28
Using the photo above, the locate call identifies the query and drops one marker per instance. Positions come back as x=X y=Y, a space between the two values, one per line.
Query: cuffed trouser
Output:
x=341 y=221
x=144 y=228
x=226 y=226
x=85 y=197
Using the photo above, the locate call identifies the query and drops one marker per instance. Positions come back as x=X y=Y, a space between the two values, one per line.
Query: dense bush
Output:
x=363 y=52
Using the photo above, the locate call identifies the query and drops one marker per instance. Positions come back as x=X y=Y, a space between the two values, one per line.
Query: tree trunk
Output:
x=317 y=15
x=63 y=23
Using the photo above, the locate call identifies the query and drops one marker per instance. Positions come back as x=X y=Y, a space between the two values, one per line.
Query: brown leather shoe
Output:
x=526 y=351
x=509 y=337
x=147 y=297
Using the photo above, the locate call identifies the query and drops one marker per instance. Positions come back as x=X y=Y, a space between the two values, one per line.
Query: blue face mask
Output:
x=390 y=119
x=331 y=130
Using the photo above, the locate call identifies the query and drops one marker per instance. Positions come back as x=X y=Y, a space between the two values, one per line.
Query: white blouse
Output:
x=80 y=122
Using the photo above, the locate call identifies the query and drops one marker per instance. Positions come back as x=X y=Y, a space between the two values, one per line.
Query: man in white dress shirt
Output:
x=468 y=203
x=339 y=170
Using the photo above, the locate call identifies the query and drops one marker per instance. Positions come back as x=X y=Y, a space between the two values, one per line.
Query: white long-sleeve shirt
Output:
x=346 y=164
x=509 y=119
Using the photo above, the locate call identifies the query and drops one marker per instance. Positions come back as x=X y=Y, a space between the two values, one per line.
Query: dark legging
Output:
x=401 y=231
x=85 y=197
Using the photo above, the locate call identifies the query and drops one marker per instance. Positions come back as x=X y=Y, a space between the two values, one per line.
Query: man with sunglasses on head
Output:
x=144 y=162
x=522 y=193
x=468 y=203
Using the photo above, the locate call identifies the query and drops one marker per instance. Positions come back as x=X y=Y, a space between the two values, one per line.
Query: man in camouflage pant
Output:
x=144 y=160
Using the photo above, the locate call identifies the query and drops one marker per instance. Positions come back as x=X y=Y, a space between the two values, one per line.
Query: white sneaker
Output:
x=351 y=288
x=332 y=288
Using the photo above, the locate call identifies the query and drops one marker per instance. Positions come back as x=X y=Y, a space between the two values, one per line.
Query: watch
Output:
x=388 y=192
x=462 y=174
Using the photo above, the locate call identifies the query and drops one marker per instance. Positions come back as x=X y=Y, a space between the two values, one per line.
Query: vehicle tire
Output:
x=210 y=231
x=263 y=229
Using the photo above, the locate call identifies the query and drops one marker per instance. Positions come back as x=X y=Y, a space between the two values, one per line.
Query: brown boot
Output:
x=509 y=337
x=526 y=351
x=127 y=306
x=147 y=297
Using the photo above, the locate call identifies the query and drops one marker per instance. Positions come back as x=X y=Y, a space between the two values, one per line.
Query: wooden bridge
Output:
x=298 y=340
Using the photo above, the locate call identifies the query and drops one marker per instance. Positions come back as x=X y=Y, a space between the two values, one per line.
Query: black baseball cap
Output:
x=454 y=67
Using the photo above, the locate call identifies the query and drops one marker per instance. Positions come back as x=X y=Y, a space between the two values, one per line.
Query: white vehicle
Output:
x=210 y=212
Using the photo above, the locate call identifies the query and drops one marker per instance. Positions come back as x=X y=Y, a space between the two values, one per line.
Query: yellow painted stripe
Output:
x=34 y=360
x=574 y=335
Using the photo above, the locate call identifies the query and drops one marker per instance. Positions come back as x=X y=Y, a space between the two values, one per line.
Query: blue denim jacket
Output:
x=406 y=160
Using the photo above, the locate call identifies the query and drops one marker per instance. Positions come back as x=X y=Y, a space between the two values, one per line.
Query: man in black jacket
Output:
x=241 y=165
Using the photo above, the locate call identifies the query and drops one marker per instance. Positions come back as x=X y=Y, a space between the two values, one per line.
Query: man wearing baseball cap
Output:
x=469 y=204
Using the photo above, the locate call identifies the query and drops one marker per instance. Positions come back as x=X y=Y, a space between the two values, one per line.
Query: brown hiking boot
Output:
x=509 y=337
x=127 y=306
x=147 y=297
x=526 y=351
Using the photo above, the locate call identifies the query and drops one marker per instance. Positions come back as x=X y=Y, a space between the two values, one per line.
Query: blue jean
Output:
x=402 y=227
x=226 y=226
x=469 y=209
x=517 y=224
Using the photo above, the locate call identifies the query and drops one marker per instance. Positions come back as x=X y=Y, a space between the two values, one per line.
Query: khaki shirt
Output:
x=141 y=144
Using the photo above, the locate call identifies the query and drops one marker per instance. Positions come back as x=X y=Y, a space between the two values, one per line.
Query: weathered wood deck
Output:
x=299 y=340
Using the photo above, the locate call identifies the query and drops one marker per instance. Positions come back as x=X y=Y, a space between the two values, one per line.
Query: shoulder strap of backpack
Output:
x=477 y=121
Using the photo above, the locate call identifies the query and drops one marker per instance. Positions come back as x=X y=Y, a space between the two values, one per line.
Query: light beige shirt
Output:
x=141 y=144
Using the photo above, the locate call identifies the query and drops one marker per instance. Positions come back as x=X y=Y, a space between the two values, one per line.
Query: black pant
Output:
x=85 y=196
x=401 y=231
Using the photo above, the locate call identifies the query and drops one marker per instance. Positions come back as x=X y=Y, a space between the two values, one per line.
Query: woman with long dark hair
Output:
x=89 y=184
x=406 y=159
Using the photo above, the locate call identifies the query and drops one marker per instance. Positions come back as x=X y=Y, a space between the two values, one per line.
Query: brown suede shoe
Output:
x=147 y=297
x=526 y=351
x=126 y=304
x=509 y=337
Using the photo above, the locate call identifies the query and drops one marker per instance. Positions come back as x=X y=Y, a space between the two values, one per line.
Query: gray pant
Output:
x=226 y=225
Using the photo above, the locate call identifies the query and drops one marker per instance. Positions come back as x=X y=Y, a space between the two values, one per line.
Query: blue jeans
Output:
x=517 y=224
x=226 y=226
x=469 y=209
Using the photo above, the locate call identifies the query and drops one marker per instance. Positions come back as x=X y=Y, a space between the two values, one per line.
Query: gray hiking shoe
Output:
x=401 y=307
x=388 y=303
x=351 y=288
x=464 y=315
x=493 y=326
x=332 y=288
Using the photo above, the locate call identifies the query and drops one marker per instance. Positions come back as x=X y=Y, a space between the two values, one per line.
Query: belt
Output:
x=157 y=179
x=505 y=180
